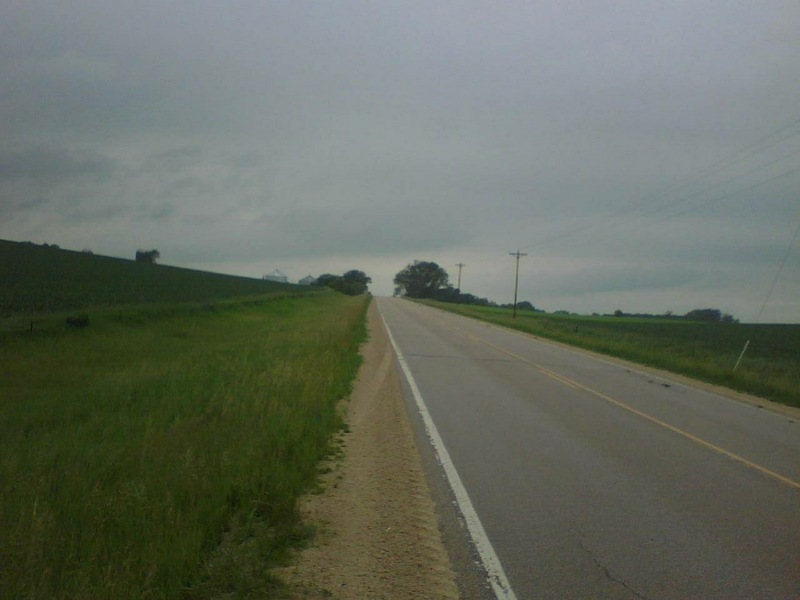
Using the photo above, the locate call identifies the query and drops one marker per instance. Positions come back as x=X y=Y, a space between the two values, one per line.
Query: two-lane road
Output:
x=593 y=480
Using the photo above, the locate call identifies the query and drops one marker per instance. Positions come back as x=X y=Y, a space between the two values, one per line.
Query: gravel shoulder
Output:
x=378 y=534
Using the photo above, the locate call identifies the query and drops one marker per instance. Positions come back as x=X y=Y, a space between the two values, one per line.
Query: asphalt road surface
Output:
x=590 y=479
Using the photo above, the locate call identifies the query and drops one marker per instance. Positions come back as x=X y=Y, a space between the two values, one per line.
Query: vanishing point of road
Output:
x=580 y=477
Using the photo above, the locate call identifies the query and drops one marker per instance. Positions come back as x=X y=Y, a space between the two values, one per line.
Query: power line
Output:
x=736 y=192
x=600 y=229
x=747 y=151
x=778 y=273
x=769 y=293
x=681 y=200
x=759 y=146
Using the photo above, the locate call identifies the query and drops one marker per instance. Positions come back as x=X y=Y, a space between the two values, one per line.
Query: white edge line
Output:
x=491 y=563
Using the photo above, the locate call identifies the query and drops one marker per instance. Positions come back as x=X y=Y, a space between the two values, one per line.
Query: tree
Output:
x=710 y=315
x=352 y=283
x=421 y=279
x=327 y=280
x=446 y=294
x=473 y=299
x=148 y=256
x=356 y=282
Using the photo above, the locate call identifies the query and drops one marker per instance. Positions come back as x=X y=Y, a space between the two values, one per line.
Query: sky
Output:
x=645 y=156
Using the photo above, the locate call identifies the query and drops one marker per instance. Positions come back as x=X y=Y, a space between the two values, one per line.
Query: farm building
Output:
x=276 y=275
x=308 y=280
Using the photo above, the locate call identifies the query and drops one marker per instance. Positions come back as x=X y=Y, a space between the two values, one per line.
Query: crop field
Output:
x=161 y=456
x=38 y=280
x=706 y=351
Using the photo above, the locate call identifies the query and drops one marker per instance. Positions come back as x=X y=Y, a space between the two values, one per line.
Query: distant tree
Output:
x=421 y=279
x=467 y=298
x=525 y=305
x=327 y=280
x=709 y=315
x=148 y=256
x=352 y=283
x=475 y=300
x=87 y=251
x=446 y=294
x=355 y=282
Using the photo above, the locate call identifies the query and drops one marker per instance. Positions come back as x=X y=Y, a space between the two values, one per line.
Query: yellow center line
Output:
x=579 y=386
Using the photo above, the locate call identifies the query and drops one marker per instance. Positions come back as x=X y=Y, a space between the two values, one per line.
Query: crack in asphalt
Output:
x=608 y=574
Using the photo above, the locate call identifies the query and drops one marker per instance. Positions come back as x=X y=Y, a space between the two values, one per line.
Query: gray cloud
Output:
x=604 y=140
x=51 y=165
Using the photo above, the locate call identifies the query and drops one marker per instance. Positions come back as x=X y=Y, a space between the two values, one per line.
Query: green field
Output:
x=161 y=454
x=39 y=279
x=706 y=351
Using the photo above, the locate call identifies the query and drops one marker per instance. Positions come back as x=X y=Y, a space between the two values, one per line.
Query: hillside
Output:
x=43 y=279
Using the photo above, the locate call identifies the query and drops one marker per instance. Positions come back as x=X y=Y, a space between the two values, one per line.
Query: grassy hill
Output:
x=43 y=279
x=160 y=451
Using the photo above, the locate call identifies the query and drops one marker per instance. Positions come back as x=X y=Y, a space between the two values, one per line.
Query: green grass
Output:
x=706 y=351
x=159 y=452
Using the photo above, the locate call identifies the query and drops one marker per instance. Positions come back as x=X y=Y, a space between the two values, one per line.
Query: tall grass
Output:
x=162 y=457
x=706 y=351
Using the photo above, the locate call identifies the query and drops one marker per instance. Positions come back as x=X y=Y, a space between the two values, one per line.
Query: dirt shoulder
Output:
x=378 y=534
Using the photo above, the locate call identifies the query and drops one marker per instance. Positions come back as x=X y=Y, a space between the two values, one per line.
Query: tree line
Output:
x=427 y=280
x=352 y=283
x=705 y=315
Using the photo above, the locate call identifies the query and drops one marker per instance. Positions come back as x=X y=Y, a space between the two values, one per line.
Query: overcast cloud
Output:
x=645 y=155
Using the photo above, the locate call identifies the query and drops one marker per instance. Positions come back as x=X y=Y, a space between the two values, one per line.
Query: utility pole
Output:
x=458 y=297
x=518 y=255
